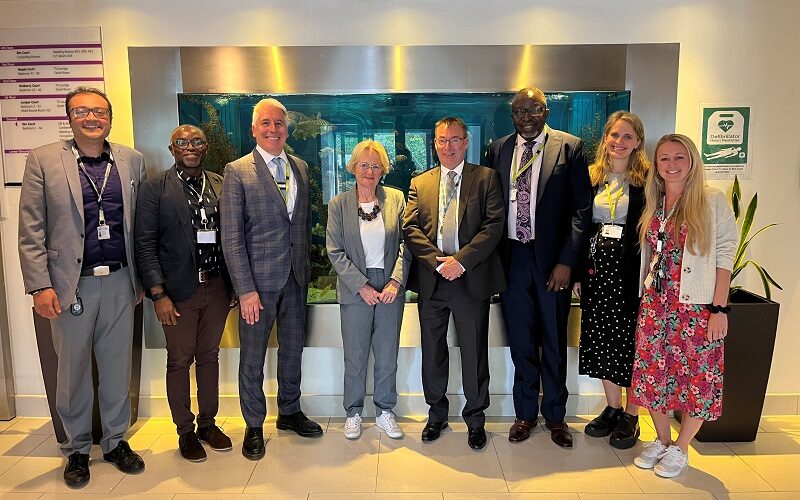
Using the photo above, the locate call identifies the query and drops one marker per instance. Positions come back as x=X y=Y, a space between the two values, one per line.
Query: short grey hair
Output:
x=268 y=102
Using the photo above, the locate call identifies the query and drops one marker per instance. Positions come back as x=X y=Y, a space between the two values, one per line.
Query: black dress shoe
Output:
x=476 y=438
x=559 y=434
x=432 y=431
x=190 y=447
x=626 y=432
x=253 y=445
x=603 y=424
x=299 y=423
x=76 y=473
x=215 y=438
x=126 y=460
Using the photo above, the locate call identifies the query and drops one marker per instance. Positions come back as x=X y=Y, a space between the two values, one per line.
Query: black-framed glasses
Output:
x=453 y=141
x=364 y=166
x=534 y=111
x=196 y=143
x=83 y=112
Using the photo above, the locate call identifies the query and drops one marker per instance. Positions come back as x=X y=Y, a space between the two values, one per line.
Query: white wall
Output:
x=738 y=52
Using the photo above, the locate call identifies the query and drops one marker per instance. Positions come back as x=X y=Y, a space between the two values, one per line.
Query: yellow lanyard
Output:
x=613 y=205
x=515 y=174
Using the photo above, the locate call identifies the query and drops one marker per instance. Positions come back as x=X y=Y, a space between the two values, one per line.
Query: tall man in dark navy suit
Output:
x=545 y=183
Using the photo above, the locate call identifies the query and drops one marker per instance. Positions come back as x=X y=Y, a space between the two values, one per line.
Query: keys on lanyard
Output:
x=661 y=239
x=103 y=230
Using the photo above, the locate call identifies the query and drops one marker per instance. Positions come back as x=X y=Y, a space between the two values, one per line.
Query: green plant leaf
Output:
x=741 y=251
x=762 y=274
x=736 y=197
x=747 y=223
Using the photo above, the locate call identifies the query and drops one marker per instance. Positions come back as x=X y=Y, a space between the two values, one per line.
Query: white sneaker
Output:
x=387 y=424
x=650 y=455
x=672 y=462
x=352 y=427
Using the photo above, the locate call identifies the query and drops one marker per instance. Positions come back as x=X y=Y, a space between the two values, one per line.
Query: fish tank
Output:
x=324 y=128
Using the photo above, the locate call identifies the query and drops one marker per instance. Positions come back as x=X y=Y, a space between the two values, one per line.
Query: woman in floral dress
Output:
x=688 y=242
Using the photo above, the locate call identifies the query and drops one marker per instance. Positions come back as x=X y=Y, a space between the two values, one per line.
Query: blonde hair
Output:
x=691 y=208
x=361 y=149
x=638 y=163
x=267 y=103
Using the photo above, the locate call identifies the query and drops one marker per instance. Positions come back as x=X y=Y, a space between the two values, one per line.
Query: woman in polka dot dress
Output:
x=609 y=283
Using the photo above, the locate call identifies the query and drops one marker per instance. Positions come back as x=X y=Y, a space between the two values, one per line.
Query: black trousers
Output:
x=471 y=318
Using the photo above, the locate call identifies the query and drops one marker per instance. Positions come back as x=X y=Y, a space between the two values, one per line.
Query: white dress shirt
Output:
x=291 y=191
x=453 y=204
x=535 y=169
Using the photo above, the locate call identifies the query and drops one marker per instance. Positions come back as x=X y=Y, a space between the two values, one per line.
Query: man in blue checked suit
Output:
x=266 y=215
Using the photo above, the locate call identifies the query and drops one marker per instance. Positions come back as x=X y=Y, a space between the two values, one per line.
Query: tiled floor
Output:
x=377 y=467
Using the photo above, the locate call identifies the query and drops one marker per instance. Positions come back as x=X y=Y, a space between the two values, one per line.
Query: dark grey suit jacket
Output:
x=480 y=227
x=51 y=222
x=259 y=241
x=165 y=239
x=346 y=251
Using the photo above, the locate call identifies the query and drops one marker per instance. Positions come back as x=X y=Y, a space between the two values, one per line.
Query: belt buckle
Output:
x=101 y=271
x=202 y=276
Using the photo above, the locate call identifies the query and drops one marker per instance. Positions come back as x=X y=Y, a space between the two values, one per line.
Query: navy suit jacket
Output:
x=563 y=197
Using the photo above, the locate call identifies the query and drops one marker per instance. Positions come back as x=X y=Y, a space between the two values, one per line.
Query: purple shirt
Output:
x=102 y=252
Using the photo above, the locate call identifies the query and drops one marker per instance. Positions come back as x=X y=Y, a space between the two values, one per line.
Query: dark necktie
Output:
x=449 y=225
x=523 y=185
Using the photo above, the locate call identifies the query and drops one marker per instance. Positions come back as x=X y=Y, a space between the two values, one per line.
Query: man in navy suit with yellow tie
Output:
x=545 y=183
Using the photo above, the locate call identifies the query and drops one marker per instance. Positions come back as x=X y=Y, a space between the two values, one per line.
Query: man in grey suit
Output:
x=266 y=226
x=76 y=217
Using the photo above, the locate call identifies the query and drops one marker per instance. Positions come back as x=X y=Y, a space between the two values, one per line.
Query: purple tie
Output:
x=523 y=185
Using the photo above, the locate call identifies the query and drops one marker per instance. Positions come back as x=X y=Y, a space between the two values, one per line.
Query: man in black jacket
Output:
x=180 y=261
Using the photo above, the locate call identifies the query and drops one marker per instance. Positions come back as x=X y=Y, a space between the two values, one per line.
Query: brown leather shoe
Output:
x=559 y=433
x=521 y=430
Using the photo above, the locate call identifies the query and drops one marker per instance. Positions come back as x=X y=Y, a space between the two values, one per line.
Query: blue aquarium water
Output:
x=324 y=128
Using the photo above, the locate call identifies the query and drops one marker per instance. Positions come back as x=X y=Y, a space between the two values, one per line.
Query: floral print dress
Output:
x=675 y=366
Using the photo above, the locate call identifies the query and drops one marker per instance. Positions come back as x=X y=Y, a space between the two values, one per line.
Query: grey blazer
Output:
x=51 y=222
x=345 y=250
x=259 y=241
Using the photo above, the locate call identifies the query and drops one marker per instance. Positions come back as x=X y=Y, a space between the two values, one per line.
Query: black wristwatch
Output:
x=718 y=309
x=158 y=296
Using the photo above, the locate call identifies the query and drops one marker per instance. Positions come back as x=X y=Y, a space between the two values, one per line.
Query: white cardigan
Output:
x=699 y=272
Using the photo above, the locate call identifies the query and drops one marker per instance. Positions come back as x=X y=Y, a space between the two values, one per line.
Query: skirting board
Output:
x=407 y=405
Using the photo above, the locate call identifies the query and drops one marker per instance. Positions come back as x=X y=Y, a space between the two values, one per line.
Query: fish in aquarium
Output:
x=306 y=127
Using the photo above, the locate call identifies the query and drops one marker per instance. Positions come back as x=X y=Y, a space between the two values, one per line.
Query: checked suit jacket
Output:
x=259 y=241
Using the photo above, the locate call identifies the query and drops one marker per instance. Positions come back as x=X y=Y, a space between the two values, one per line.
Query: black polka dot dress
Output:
x=607 y=326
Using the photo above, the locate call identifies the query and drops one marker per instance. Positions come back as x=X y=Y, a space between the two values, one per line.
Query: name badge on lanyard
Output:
x=612 y=231
x=204 y=235
x=103 y=229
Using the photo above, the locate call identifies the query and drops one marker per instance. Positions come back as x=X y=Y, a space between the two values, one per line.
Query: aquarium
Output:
x=323 y=129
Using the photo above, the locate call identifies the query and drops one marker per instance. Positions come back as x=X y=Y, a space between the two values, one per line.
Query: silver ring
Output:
x=562 y=288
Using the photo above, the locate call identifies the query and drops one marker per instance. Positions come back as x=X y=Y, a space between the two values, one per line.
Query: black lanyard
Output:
x=98 y=192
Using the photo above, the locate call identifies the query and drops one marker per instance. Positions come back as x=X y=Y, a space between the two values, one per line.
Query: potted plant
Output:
x=752 y=326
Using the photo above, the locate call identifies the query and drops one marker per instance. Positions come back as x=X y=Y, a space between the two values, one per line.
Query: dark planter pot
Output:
x=752 y=326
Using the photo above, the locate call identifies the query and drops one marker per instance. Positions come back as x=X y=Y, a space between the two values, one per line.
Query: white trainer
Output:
x=387 y=424
x=672 y=462
x=352 y=427
x=650 y=455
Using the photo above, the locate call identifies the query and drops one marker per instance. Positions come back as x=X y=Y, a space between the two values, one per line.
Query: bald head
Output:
x=189 y=146
x=529 y=112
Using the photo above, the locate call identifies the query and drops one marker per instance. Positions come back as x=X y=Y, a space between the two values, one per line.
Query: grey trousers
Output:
x=105 y=327
x=379 y=326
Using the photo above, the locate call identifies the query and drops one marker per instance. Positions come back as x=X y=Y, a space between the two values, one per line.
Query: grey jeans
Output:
x=378 y=326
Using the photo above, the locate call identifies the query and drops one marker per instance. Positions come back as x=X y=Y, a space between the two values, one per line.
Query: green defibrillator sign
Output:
x=725 y=141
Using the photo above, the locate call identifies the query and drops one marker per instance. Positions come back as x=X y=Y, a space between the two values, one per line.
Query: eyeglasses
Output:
x=197 y=143
x=454 y=141
x=364 y=166
x=83 y=112
x=534 y=111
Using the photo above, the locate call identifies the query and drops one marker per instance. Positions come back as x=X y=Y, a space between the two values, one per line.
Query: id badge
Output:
x=513 y=196
x=103 y=232
x=612 y=231
x=206 y=236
